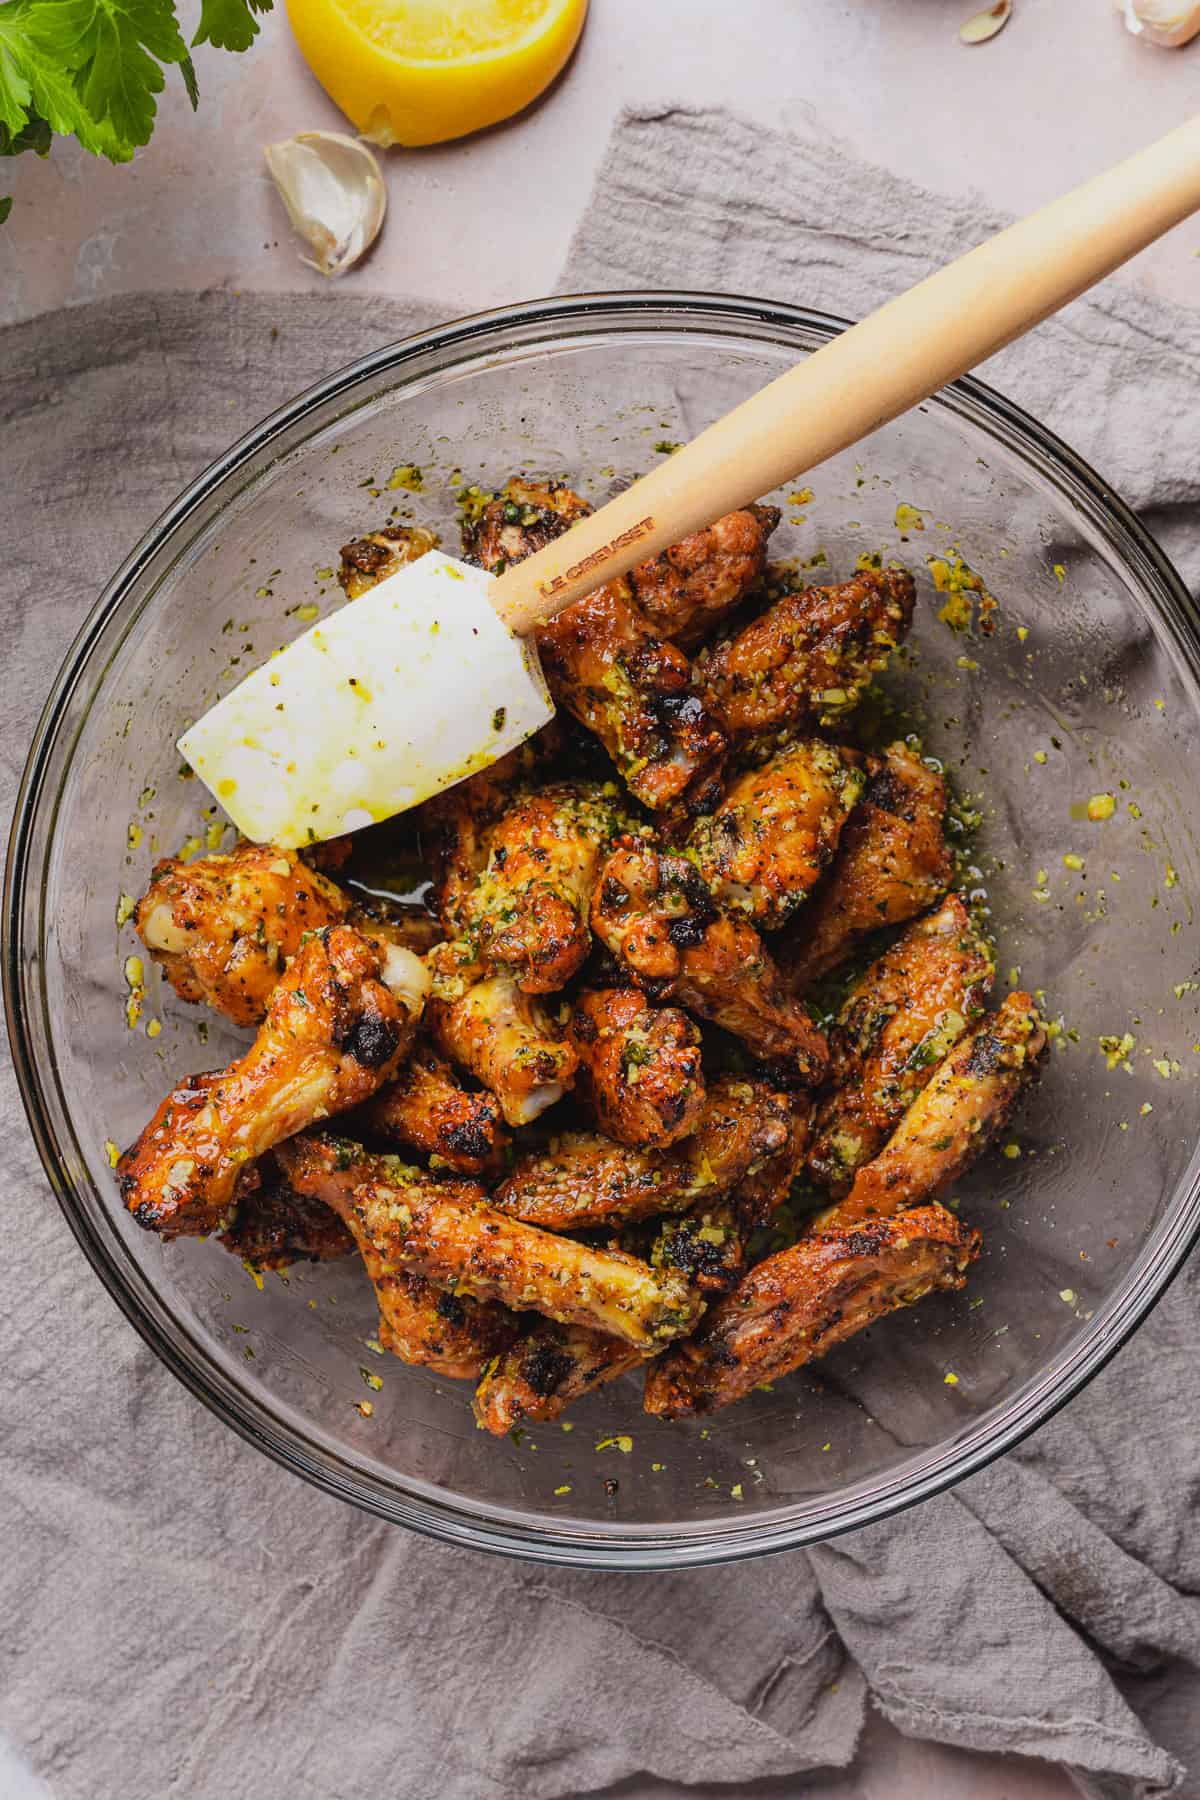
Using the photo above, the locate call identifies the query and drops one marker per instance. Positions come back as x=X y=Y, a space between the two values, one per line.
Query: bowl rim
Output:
x=429 y=1511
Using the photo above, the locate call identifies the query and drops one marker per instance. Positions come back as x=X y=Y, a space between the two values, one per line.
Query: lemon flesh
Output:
x=421 y=71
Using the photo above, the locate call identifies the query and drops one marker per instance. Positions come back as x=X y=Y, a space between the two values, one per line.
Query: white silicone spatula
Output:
x=431 y=675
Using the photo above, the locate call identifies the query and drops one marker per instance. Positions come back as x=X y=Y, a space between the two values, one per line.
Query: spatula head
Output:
x=395 y=696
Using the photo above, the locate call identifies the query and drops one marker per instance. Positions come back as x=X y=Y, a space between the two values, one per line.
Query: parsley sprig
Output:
x=93 y=69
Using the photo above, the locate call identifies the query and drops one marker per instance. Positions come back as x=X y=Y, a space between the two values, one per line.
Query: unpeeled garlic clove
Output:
x=1167 y=22
x=334 y=193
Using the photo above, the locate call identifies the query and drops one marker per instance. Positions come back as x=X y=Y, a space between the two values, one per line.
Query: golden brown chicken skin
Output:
x=275 y=1227
x=221 y=928
x=605 y=662
x=893 y=862
x=420 y=1323
x=501 y=1036
x=428 y=1108
x=901 y=1018
x=640 y=1068
x=653 y=911
x=775 y=833
x=526 y=908
x=371 y=559
x=751 y=1147
x=971 y=1094
x=579 y=1180
x=338 y=1025
x=808 y=658
x=801 y=1302
x=688 y=588
x=449 y=1233
x=544 y=1370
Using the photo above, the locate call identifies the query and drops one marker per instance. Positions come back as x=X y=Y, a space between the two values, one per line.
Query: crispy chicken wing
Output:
x=689 y=587
x=274 y=1227
x=338 y=1026
x=898 y=1022
x=221 y=928
x=639 y=1066
x=893 y=862
x=801 y=1302
x=370 y=559
x=605 y=662
x=428 y=1108
x=418 y=1321
x=751 y=1146
x=526 y=910
x=655 y=914
x=775 y=833
x=502 y=1037
x=450 y=1234
x=807 y=659
x=969 y=1097
x=544 y=1370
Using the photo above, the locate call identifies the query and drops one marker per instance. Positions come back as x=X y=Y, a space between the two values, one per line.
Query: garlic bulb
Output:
x=334 y=194
x=1167 y=22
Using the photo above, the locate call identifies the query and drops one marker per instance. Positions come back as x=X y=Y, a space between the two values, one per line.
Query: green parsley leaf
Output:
x=5 y=207
x=229 y=24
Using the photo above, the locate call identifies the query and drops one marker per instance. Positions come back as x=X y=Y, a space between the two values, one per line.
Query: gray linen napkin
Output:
x=183 y=1618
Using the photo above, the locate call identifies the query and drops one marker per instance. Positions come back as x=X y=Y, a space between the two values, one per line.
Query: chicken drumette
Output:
x=338 y=1026
x=428 y=1108
x=639 y=1066
x=516 y=890
x=688 y=588
x=654 y=912
x=606 y=663
x=222 y=927
x=776 y=831
x=892 y=863
x=808 y=658
x=801 y=1302
x=900 y=1019
x=502 y=1037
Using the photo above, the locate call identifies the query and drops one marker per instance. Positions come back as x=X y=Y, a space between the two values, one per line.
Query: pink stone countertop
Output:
x=1061 y=93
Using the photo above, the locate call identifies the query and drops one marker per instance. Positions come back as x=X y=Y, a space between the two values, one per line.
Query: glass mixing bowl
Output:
x=1086 y=685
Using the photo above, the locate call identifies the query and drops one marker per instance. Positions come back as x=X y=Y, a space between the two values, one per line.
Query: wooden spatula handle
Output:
x=871 y=373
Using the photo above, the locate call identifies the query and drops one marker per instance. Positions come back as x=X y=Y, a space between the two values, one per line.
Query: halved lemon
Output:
x=420 y=71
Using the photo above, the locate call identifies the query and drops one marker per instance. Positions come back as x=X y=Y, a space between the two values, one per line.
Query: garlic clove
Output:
x=1166 y=22
x=985 y=25
x=334 y=193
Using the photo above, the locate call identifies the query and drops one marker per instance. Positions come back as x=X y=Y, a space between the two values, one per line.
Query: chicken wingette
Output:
x=523 y=907
x=222 y=927
x=640 y=1068
x=970 y=1095
x=775 y=833
x=900 y=1019
x=653 y=911
x=808 y=659
x=501 y=1036
x=338 y=1025
x=892 y=863
x=605 y=662
x=688 y=588
x=428 y=1108
x=801 y=1302
x=449 y=1233
x=546 y=1368
x=418 y=1321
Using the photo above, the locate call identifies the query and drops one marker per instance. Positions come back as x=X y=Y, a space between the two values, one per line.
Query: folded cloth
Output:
x=183 y=1618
